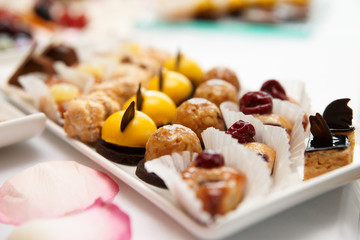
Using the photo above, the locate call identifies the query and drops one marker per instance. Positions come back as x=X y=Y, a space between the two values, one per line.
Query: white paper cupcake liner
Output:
x=276 y=138
x=169 y=167
x=295 y=114
x=297 y=91
x=288 y=110
x=82 y=80
x=34 y=85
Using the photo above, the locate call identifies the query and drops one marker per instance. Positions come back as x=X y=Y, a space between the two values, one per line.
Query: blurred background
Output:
x=315 y=41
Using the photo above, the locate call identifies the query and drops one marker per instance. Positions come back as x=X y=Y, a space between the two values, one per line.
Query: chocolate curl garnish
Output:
x=178 y=59
x=321 y=132
x=128 y=116
x=338 y=114
x=161 y=79
x=139 y=98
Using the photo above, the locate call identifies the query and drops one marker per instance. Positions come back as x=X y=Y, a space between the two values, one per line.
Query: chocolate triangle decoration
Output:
x=338 y=114
x=139 y=98
x=178 y=59
x=161 y=79
x=320 y=131
x=128 y=116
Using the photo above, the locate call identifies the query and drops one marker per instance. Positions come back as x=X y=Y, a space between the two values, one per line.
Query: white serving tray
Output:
x=18 y=127
x=271 y=205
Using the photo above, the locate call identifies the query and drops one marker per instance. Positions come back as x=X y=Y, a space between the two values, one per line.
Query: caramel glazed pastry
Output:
x=325 y=151
x=165 y=141
x=199 y=114
x=85 y=115
x=220 y=188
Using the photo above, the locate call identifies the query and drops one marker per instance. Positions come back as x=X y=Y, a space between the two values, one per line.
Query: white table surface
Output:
x=328 y=61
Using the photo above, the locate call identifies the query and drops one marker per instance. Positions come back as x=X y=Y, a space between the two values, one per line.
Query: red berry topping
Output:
x=243 y=131
x=256 y=103
x=209 y=159
x=275 y=89
x=70 y=19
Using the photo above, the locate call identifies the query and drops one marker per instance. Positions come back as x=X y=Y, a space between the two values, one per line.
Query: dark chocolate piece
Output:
x=150 y=178
x=128 y=116
x=161 y=79
x=139 y=98
x=61 y=53
x=178 y=59
x=321 y=133
x=338 y=115
x=123 y=155
x=32 y=64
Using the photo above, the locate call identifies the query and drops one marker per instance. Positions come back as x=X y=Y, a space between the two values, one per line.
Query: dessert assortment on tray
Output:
x=259 y=11
x=216 y=147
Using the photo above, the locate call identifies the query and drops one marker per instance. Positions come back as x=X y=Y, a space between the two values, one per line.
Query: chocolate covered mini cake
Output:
x=124 y=135
x=325 y=151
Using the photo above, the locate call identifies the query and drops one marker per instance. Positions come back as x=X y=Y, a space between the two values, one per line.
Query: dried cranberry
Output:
x=209 y=159
x=256 y=103
x=275 y=89
x=243 y=131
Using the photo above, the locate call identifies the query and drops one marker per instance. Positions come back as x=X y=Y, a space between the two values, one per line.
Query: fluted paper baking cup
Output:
x=295 y=114
x=297 y=90
x=34 y=85
x=288 y=110
x=82 y=80
x=276 y=138
x=169 y=169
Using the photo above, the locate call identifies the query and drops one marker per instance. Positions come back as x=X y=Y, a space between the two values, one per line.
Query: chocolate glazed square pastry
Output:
x=325 y=151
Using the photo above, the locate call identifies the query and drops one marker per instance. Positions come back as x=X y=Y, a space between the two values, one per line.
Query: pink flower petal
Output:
x=101 y=221
x=52 y=189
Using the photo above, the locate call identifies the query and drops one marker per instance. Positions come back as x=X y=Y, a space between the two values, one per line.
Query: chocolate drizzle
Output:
x=338 y=115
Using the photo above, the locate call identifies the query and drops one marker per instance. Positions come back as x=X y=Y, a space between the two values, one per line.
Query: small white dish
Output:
x=18 y=127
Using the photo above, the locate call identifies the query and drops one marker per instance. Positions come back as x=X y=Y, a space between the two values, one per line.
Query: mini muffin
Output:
x=124 y=136
x=224 y=74
x=220 y=188
x=165 y=141
x=260 y=105
x=276 y=90
x=199 y=114
x=217 y=91
x=244 y=132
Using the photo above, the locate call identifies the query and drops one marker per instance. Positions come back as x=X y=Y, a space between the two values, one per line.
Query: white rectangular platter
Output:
x=271 y=205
